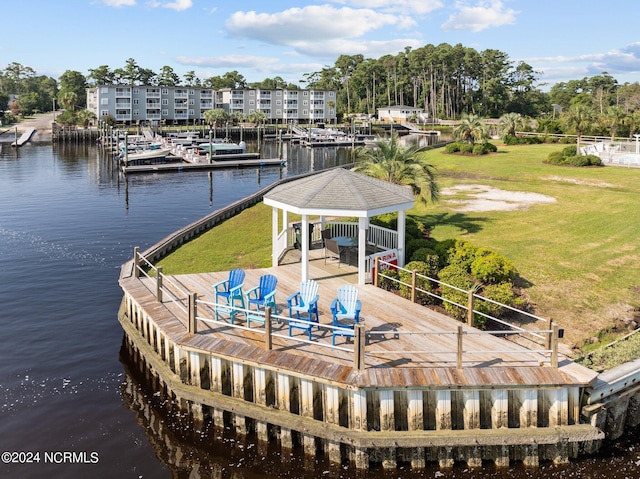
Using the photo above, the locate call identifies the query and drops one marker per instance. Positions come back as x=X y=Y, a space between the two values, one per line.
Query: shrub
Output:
x=490 y=147
x=452 y=147
x=442 y=249
x=463 y=254
x=491 y=268
x=422 y=253
x=455 y=275
x=413 y=245
x=389 y=282
x=422 y=268
x=479 y=150
x=569 y=151
x=555 y=158
x=466 y=148
x=502 y=293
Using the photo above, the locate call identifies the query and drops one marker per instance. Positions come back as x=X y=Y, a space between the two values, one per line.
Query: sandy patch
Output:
x=575 y=181
x=478 y=198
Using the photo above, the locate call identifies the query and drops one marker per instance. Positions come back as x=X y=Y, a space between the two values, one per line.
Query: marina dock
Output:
x=180 y=166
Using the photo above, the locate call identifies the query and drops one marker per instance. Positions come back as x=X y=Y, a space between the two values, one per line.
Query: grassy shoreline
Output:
x=578 y=255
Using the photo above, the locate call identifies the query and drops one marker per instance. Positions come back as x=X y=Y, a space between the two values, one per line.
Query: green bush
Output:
x=569 y=151
x=479 y=150
x=490 y=147
x=463 y=254
x=423 y=284
x=413 y=245
x=555 y=158
x=452 y=147
x=389 y=282
x=422 y=253
x=466 y=148
x=455 y=275
x=491 y=268
x=502 y=293
x=443 y=250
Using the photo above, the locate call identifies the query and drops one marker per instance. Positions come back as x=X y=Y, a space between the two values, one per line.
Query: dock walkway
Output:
x=25 y=137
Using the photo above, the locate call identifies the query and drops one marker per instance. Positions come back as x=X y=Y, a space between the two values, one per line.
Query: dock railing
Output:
x=273 y=325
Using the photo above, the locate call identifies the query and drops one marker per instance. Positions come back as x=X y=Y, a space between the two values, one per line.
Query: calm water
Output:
x=67 y=223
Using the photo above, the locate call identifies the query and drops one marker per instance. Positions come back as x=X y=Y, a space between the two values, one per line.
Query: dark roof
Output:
x=341 y=189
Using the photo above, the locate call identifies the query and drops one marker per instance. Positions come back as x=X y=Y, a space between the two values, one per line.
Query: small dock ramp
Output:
x=26 y=136
x=147 y=134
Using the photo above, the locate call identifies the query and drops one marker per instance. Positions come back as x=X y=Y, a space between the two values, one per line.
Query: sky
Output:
x=561 y=39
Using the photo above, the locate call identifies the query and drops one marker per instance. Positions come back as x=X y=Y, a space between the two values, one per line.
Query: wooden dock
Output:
x=25 y=137
x=409 y=400
x=181 y=166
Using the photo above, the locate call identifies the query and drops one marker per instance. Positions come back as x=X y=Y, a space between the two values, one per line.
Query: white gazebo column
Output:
x=363 y=224
x=304 y=247
x=274 y=236
x=401 y=234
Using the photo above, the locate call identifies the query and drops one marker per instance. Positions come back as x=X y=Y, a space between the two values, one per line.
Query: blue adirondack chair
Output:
x=261 y=297
x=229 y=296
x=305 y=303
x=346 y=306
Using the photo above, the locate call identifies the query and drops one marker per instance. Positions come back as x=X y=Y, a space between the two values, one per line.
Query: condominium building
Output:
x=183 y=105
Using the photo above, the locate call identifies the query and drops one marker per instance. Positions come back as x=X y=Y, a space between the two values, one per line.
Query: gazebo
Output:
x=337 y=193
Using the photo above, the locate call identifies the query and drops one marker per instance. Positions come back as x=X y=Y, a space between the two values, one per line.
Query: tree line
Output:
x=447 y=81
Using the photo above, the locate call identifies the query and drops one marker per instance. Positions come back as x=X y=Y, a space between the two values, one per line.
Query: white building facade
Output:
x=184 y=105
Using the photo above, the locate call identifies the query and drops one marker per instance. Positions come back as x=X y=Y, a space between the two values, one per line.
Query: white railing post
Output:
x=136 y=262
x=159 y=284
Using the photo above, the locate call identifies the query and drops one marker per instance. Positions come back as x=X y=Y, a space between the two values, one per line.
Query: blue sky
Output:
x=562 y=39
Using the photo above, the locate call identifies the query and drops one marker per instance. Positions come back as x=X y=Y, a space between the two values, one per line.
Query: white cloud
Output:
x=485 y=14
x=119 y=3
x=410 y=7
x=178 y=5
x=227 y=61
x=626 y=60
x=369 y=48
x=311 y=24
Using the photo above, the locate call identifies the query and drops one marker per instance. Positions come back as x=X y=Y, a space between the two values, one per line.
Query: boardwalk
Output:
x=426 y=357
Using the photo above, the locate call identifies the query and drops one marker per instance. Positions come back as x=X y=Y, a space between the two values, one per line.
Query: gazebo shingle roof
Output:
x=340 y=189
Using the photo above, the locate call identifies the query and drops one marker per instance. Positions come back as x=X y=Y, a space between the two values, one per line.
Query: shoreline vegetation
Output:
x=576 y=254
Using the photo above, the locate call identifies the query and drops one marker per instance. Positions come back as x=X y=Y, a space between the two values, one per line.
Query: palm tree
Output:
x=578 y=117
x=612 y=117
x=216 y=116
x=394 y=163
x=509 y=123
x=471 y=129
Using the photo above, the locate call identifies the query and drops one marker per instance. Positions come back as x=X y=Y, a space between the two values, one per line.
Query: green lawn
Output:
x=577 y=256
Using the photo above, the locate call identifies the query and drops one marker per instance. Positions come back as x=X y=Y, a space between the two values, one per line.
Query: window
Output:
x=330 y=93
x=278 y=102
x=305 y=112
x=305 y=102
x=278 y=112
x=104 y=112
x=192 y=113
x=251 y=102
x=165 y=112
x=104 y=89
x=135 y=91
x=279 y=93
x=252 y=93
x=136 y=113
x=136 y=101
x=305 y=93
x=165 y=101
x=192 y=101
x=192 y=92
x=104 y=101
x=165 y=91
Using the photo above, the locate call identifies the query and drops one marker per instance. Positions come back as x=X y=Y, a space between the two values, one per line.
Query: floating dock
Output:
x=214 y=165
x=25 y=137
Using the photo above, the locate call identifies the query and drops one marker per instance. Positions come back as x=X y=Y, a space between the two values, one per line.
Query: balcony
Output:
x=123 y=117
x=181 y=94
x=153 y=116
x=123 y=104
x=123 y=92
x=181 y=116
x=206 y=95
x=153 y=93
